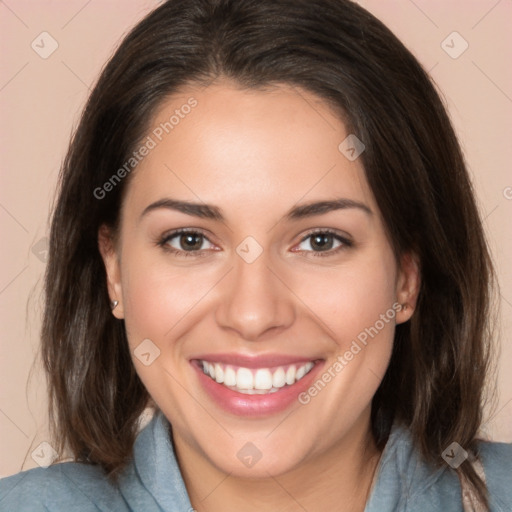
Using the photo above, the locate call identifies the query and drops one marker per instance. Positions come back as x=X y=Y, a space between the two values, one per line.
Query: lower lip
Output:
x=242 y=404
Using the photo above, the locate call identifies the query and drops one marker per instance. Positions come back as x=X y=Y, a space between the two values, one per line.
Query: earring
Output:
x=113 y=304
x=404 y=307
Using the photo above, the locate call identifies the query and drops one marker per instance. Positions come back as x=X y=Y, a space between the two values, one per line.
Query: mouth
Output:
x=259 y=381
x=255 y=386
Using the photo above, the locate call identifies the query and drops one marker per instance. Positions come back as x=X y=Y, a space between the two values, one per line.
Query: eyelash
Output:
x=163 y=242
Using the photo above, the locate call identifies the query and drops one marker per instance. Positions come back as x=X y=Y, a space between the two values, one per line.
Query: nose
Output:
x=255 y=302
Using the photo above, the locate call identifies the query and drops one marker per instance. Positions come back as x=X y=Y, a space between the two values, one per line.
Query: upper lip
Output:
x=254 y=361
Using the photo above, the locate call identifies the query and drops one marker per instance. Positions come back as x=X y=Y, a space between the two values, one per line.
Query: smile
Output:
x=255 y=381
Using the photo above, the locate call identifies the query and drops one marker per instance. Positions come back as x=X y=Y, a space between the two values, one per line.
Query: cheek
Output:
x=355 y=305
x=157 y=296
x=351 y=298
x=159 y=301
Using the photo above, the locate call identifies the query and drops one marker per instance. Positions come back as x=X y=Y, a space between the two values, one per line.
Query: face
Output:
x=258 y=287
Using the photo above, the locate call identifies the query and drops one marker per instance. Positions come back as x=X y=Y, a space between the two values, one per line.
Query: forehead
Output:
x=239 y=148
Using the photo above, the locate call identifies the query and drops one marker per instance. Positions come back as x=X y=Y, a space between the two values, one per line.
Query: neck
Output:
x=339 y=479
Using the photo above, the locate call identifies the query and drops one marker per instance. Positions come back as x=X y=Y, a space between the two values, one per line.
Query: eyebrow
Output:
x=206 y=211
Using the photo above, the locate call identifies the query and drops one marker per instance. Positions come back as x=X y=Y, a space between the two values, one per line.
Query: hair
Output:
x=434 y=384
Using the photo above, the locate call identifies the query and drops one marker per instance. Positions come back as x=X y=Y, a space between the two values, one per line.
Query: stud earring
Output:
x=113 y=304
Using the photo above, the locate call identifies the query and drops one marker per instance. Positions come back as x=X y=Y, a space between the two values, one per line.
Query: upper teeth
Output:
x=252 y=381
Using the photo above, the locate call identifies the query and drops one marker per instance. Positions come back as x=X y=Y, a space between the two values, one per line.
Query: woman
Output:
x=266 y=234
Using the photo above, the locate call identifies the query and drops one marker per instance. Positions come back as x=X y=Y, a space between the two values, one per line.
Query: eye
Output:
x=185 y=242
x=323 y=243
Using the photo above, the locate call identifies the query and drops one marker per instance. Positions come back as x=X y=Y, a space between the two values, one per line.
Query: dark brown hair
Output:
x=414 y=166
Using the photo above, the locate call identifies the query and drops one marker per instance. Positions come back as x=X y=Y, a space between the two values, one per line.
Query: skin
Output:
x=256 y=154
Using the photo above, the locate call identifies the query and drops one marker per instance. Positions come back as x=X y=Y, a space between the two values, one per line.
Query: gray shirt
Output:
x=153 y=482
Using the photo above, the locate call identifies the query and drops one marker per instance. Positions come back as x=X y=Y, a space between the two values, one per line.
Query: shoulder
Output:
x=69 y=486
x=151 y=481
x=496 y=460
x=405 y=481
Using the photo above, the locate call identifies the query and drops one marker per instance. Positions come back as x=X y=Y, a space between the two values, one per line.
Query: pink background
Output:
x=40 y=101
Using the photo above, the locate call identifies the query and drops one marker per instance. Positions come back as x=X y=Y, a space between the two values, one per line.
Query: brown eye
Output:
x=184 y=242
x=323 y=243
x=191 y=241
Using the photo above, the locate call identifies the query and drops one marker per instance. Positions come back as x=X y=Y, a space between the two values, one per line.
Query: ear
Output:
x=109 y=253
x=407 y=286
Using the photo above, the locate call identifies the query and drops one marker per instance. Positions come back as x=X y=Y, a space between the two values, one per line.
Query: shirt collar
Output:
x=401 y=472
x=157 y=467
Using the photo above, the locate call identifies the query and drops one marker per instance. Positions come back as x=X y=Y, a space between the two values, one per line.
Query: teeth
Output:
x=219 y=373
x=263 y=379
x=244 y=379
x=290 y=375
x=229 y=377
x=257 y=391
x=260 y=381
x=279 y=378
